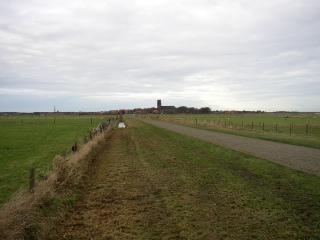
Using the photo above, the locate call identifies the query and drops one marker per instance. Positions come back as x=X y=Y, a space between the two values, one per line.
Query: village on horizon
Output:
x=153 y=110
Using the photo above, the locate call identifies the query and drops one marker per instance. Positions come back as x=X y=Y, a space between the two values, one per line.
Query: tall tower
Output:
x=159 y=104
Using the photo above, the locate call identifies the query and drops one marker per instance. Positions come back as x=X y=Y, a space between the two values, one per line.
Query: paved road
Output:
x=296 y=157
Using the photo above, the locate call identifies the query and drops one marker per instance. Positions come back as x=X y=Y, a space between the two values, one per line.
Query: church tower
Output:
x=159 y=105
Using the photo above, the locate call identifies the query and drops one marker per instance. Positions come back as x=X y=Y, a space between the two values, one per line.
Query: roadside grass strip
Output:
x=211 y=191
x=286 y=128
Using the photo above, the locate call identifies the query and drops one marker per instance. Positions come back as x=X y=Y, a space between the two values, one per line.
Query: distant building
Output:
x=138 y=111
x=165 y=109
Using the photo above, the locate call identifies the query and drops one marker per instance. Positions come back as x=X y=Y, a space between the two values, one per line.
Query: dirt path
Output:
x=121 y=200
x=296 y=157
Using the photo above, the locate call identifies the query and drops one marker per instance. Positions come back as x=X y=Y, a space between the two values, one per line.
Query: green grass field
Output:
x=297 y=129
x=204 y=191
x=34 y=141
x=219 y=193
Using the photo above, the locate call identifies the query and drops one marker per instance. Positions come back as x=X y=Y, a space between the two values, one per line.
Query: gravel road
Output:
x=301 y=158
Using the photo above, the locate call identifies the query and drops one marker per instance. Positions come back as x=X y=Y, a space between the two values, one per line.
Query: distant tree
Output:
x=182 y=109
x=192 y=110
x=205 y=110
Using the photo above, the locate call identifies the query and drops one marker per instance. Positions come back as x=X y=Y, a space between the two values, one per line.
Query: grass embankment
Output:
x=30 y=215
x=302 y=131
x=162 y=185
x=34 y=141
x=293 y=139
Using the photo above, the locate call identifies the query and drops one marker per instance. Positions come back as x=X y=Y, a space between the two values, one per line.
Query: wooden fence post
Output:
x=252 y=126
x=76 y=146
x=262 y=126
x=90 y=135
x=31 y=179
x=64 y=153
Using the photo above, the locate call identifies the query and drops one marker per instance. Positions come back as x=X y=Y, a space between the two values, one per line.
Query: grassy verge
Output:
x=215 y=193
x=311 y=140
x=35 y=141
x=30 y=215
x=299 y=140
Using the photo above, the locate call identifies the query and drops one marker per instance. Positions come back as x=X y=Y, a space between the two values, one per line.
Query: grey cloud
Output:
x=225 y=53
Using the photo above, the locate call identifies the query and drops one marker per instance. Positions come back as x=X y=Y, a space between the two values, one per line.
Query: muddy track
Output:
x=301 y=158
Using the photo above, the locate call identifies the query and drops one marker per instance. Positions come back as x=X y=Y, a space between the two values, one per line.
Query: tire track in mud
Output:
x=120 y=199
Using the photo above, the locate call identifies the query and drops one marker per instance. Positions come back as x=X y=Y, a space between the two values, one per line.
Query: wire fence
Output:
x=310 y=128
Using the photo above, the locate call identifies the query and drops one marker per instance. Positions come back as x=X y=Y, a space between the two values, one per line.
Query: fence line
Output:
x=102 y=128
x=306 y=129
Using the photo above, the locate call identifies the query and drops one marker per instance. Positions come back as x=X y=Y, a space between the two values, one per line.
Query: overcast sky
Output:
x=101 y=55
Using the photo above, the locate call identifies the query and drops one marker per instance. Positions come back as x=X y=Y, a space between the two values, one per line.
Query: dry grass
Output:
x=148 y=183
x=29 y=215
x=120 y=199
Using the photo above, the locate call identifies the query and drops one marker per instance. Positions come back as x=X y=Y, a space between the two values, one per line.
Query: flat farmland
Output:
x=34 y=141
x=297 y=129
x=150 y=183
x=145 y=182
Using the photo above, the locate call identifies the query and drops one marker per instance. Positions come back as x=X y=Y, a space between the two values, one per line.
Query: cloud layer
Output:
x=102 y=55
